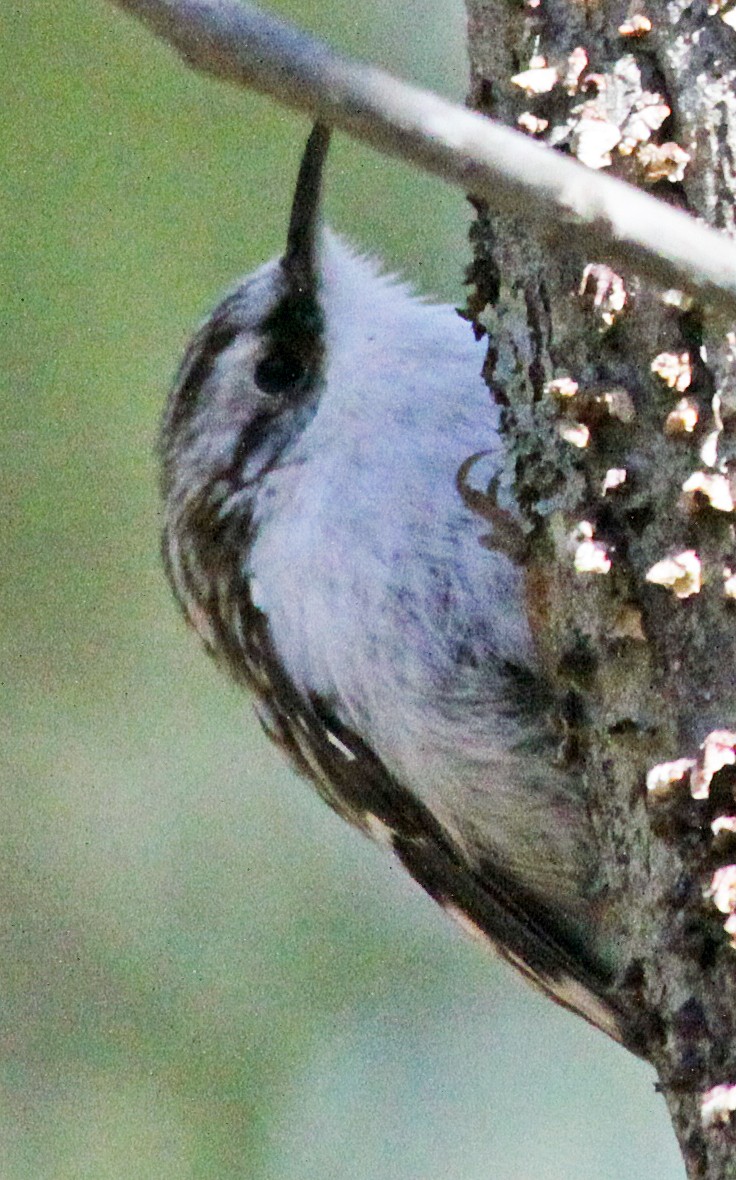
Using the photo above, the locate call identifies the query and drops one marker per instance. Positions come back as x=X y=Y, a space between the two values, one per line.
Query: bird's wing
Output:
x=487 y=900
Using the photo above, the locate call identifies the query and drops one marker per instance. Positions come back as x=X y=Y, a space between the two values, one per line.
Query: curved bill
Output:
x=301 y=240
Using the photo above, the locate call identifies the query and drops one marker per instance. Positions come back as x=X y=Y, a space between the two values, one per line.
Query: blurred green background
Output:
x=203 y=973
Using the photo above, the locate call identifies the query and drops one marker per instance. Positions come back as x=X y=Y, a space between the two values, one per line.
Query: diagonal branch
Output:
x=612 y=221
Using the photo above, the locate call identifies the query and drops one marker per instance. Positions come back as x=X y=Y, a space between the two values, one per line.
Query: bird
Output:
x=323 y=450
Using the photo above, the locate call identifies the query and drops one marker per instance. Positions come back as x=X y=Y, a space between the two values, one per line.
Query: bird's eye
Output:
x=279 y=371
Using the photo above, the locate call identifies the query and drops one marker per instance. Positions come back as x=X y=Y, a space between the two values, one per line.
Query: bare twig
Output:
x=612 y=221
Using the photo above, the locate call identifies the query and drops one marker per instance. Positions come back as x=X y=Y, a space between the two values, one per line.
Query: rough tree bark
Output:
x=603 y=377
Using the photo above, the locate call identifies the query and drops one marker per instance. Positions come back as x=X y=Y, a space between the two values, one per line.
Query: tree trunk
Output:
x=603 y=376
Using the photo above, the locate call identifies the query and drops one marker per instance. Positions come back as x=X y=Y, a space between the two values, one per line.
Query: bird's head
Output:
x=251 y=375
x=248 y=384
